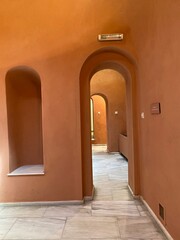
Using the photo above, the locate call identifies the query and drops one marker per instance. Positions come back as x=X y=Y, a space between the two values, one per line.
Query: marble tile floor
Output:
x=112 y=215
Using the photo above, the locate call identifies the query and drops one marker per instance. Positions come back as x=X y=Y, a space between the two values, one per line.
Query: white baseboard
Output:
x=134 y=196
x=152 y=214
x=48 y=203
x=156 y=219
x=90 y=198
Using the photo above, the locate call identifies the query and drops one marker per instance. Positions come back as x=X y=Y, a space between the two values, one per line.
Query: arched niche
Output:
x=24 y=115
x=120 y=61
x=100 y=119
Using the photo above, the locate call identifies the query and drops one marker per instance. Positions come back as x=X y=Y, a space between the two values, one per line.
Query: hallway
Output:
x=113 y=215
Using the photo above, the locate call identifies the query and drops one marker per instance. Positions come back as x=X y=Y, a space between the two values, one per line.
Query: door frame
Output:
x=120 y=61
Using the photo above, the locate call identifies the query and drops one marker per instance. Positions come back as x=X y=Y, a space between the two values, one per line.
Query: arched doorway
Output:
x=110 y=84
x=98 y=121
x=108 y=58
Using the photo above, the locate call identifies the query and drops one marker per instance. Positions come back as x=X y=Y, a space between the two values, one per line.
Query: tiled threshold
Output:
x=28 y=170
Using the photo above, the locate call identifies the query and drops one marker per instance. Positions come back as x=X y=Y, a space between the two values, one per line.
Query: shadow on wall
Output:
x=24 y=113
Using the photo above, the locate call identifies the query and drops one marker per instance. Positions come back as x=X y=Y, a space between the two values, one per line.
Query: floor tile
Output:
x=1 y=208
x=112 y=215
x=36 y=229
x=23 y=211
x=102 y=191
x=91 y=227
x=101 y=178
x=114 y=208
x=103 y=198
x=67 y=211
x=111 y=184
x=121 y=194
x=5 y=226
x=138 y=227
x=143 y=210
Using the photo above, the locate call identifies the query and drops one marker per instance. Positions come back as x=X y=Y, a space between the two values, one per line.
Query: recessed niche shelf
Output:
x=28 y=170
x=24 y=115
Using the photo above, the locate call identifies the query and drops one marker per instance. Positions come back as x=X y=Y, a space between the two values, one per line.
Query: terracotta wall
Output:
x=52 y=38
x=100 y=127
x=112 y=86
x=55 y=38
x=154 y=33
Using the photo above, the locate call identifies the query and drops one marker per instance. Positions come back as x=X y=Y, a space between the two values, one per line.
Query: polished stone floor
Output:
x=112 y=215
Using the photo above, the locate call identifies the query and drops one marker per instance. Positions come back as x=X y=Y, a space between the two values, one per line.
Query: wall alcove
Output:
x=24 y=114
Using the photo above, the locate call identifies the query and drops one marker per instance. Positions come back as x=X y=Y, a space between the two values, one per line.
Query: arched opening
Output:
x=111 y=85
x=99 y=120
x=24 y=114
x=108 y=58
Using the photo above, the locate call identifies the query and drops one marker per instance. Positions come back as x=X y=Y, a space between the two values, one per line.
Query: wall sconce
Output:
x=110 y=37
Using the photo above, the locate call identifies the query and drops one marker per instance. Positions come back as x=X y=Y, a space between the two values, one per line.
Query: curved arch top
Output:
x=102 y=95
x=116 y=50
x=24 y=69
x=109 y=57
x=119 y=60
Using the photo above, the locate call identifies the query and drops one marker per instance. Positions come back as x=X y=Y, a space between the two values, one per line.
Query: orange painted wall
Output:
x=111 y=84
x=55 y=38
x=52 y=38
x=155 y=36
x=100 y=127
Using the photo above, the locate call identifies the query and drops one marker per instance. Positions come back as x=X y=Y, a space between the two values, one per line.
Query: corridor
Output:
x=112 y=215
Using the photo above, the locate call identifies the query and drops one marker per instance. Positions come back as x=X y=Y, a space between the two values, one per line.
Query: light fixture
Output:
x=110 y=37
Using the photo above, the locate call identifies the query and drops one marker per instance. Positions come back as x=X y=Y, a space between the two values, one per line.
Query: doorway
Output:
x=98 y=121
x=108 y=58
x=109 y=86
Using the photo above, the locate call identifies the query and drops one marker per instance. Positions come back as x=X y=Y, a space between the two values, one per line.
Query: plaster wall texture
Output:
x=55 y=38
x=42 y=36
x=155 y=36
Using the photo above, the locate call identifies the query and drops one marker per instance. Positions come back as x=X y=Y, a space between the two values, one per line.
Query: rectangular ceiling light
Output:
x=110 y=37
